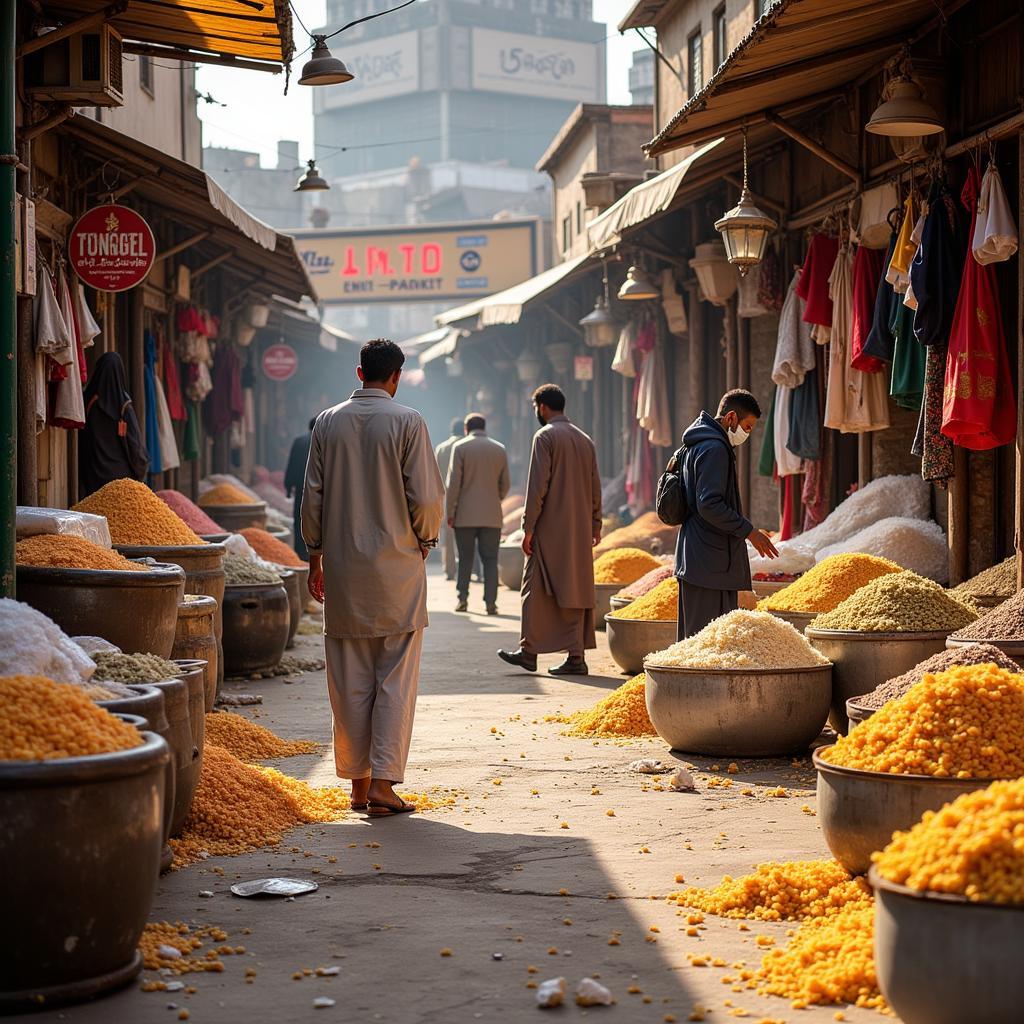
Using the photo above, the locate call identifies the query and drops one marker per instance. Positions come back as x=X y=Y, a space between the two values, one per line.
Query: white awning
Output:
x=507 y=307
x=444 y=347
x=641 y=202
x=421 y=342
x=250 y=226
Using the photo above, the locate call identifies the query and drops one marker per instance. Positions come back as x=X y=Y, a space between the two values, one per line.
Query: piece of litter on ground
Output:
x=327 y=972
x=168 y=952
x=551 y=993
x=239 y=700
x=205 y=894
x=682 y=782
x=174 y=986
x=322 y=1002
x=287 y=887
x=592 y=993
x=497 y=956
x=647 y=766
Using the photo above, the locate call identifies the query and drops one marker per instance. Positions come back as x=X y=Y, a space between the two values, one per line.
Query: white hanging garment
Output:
x=873 y=229
x=794 y=350
x=69 y=403
x=652 y=406
x=88 y=329
x=53 y=336
x=995 y=231
x=672 y=304
x=786 y=462
x=624 y=361
x=748 y=305
x=169 y=458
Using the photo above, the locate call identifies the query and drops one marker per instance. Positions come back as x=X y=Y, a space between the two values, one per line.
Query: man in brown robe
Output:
x=562 y=523
x=371 y=510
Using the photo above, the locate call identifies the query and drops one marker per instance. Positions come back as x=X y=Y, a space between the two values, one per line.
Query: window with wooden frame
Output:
x=719 y=35
x=695 y=55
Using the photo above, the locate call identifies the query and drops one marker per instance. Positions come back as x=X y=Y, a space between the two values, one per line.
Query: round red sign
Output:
x=111 y=248
x=280 y=362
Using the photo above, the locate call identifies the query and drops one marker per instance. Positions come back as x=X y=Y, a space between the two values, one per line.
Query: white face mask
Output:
x=737 y=436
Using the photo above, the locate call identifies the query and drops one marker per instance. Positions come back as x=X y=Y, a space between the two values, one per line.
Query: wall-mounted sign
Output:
x=280 y=362
x=111 y=248
x=583 y=368
x=421 y=263
x=383 y=67
x=559 y=69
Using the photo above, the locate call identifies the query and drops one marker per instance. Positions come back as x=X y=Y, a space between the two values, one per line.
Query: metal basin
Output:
x=183 y=750
x=79 y=861
x=257 y=618
x=603 y=594
x=798 y=620
x=942 y=959
x=237 y=517
x=631 y=640
x=739 y=712
x=857 y=712
x=858 y=811
x=862 y=661
x=765 y=588
x=195 y=640
x=290 y=580
x=616 y=603
x=191 y=674
x=137 y=611
x=1011 y=648
x=511 y=562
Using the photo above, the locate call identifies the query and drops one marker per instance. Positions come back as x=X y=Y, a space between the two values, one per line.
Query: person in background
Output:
x=294 y=474
x=111 y=445
x=711 y=553
x=562 y=523
x=371 y=511
x=443 y=454
x=478 y=480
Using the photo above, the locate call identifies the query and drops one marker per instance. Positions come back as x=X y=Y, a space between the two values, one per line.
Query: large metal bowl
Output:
x=858 y=811
x=237 y=517
x=603 y=594
x=137 y=611
x=257 y=619
x=856 y=712
x=765 y=588
x=631 y=640
x=738 y=712
x=511 y=562
x=616 y=603
x=861 y=661
x=1011 y=648
x=798 y=620
x=942 y=959
x=195 y=638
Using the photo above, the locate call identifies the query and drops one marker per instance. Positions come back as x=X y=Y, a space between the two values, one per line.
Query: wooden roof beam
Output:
x=210 y=264
x=72 y=28
x=809 y=144
x=195 y=239
x=199 y=57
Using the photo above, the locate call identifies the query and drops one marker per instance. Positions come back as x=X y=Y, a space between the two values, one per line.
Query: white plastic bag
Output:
x=31 y=521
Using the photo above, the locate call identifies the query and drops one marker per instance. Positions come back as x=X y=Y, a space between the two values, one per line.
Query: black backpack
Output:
x=671 y=503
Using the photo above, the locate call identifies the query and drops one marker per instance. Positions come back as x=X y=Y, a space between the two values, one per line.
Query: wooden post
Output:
x=959 y=515
x=697 y=354
x=1018 y=489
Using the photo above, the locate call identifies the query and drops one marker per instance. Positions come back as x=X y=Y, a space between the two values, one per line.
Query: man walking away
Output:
x=371 y=512
x=562 y=523
x=443 y=453
x=711 y=556
x=478 y=480
x=294 y=474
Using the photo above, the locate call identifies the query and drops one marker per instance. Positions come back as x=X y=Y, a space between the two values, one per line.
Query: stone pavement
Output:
x=497 y=879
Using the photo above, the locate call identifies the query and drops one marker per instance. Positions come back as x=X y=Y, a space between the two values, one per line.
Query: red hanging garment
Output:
x=813 y=284
x=867 y=271
x=979 y=409
x=172 y=383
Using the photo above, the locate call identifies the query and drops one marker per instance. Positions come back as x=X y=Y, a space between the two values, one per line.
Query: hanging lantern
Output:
x=311 y=181
x=599 y=326
x=559 y=355
x=528 y=366
x=745 y=228
x=323 y=68
x=638 y=287
x=904 y=112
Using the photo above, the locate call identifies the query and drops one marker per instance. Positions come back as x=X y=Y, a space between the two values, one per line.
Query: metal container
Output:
x=857 y=712
x=862 y=661
x=191 y=674
x=195 y=640
x=603 y=593
x=291 y=587
x=257 y=618
x=858 y=811
x=618 y=603
x=798 y=620
x=148 y=706
x=204 y=574
x=765 y=588
x=237 y=517
x=134 y=610
x=739 y=712
x=215 y=538
x=1011 y=648
x=631 y=640
x=79 y=861
x=942 y=959
x=184 y=753
x=282 y=533
x=511 y=562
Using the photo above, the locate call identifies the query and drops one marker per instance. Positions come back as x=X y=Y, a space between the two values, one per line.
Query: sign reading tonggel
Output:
x=111 y=248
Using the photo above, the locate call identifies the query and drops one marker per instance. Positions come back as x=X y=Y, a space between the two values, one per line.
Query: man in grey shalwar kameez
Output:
x=371 y=511
x=562 y=523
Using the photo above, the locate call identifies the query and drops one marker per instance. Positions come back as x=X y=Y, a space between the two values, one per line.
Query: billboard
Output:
x=419 y=263
x=383 y=67
x=559 y=69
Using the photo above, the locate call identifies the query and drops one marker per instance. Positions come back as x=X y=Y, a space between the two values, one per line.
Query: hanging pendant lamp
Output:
x=311 y=181
x=323 y=68
x=904 y=112
x=745 y=228
x=638 y=287
x=599 y=326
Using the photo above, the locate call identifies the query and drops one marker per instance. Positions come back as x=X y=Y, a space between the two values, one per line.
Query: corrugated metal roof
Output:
x=798 y=49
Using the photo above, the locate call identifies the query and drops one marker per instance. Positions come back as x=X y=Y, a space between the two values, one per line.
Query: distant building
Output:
x=641 y=77
x=266 y=192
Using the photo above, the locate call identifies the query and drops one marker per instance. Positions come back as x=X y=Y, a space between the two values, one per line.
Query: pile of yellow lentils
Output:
x=62 y=551
x=828 y=583
x=966 y=723
x=249 y=741
x=623 y=565
x=659 y=604
x=972 y=847
x=136 y=515
x=622 y=713
x=42 y=720
x=187 y=942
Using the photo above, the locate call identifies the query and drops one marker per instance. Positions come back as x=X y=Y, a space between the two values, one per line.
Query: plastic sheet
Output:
x=31 y=521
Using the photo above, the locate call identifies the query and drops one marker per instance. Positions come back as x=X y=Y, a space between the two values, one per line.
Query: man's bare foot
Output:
x=360 y=788
x=382 y=799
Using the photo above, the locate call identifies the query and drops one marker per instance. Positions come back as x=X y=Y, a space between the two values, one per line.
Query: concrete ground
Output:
x=497 y=880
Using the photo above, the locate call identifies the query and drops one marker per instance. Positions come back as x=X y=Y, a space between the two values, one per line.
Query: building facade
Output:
x=266 y=192
x=641 y=78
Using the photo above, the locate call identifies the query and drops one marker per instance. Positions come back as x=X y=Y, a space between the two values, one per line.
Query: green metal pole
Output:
x=8 y=302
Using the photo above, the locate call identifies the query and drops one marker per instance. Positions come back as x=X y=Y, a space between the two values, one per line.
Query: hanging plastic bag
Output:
x=995 y=231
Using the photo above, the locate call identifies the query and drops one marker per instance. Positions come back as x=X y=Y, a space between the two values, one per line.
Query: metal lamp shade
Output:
x=559 y=355
x=745 y=230
x=323 y=68
x=638 y=287
x=599 y=327
x=528 y=367
x=311 y=181
x=905 y=113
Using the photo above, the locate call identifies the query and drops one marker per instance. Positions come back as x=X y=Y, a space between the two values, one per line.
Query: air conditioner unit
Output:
x=84 y=70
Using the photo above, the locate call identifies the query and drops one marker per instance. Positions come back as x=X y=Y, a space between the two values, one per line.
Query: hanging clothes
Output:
x=910 y=299
x=788 y=524
x=769 y=281
x=653 y=411
x=805 y=419
x=979 y=410
x=880 y=343
x=172 y=383
x=623 y=361
x=225 y=403
x=898 y=274
x=936 y=270
x=766 y=460
x=53 y=342
x=909 y=359
x=169 y=458
x=152 y=420
x=794 y=347
x=813 y=286
x=111 y=445
x=934 y=450
x=786 y=462
x=818 y=473
x=68 y=402
x=995 y=231
x=193 y=431
x=873 y=223
x=867 y=268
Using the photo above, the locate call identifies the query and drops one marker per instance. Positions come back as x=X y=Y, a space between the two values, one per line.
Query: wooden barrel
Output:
x=195 y=638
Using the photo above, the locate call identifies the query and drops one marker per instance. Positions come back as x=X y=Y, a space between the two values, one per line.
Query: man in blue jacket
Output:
x=711 y=553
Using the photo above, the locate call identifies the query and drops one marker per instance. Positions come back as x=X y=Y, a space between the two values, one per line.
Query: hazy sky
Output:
x=256 y=115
